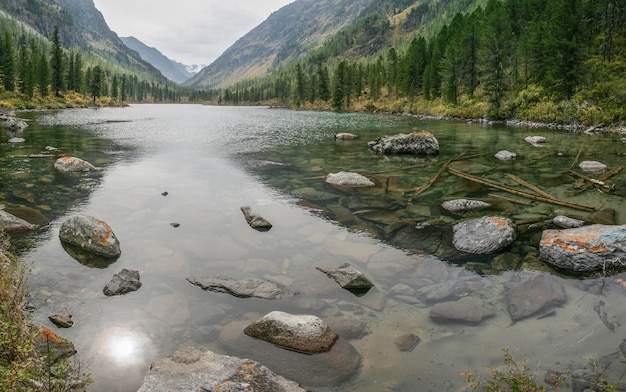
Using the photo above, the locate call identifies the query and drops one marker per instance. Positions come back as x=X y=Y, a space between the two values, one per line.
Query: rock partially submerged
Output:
x=350 y=278
x=255 y=221
x=9 y=222
x=198 y=369
x=592 y=166
x=536 y=140
x=17 y=140
x=567 y=222
x=345 y=136
x=73 y=165
x=585 y=249
x=418 y=143
x=245 y=288
x=302 y=333
x=122 y=283
x=91 y=234
x=348 y=179
x=484 y=235
x=505 y=155
x=466 y=310
x=12 y=123
x=464 y=205
x=62 y=320
x=530 y=296
x=52 y=346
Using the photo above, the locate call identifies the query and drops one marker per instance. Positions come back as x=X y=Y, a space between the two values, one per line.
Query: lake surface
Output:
x=213 y=160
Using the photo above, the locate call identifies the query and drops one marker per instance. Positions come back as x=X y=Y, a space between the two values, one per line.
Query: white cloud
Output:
x=188 y=31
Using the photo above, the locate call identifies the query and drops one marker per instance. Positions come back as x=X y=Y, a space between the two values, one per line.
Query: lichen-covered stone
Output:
x=90 y=234
x=73 y=165
x=419 y=143
x=484 y=235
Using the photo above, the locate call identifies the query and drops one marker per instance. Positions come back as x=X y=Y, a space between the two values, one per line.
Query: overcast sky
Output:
x=188 y=31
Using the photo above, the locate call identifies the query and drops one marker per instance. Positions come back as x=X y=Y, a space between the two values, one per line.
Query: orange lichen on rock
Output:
x=104 y=240
x=500 y=222
x=48 y=334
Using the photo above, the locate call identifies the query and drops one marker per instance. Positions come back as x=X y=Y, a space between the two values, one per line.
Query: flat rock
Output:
x=529 y=296
x=17 y=140
x=244 y=288
x=536 y=140
x=466 y=310
x=302 y=333
x=483 y=235
x=90 y=234
x=464 y=205
x=123 y=282
x=62 y=320
x=198 y=369
x=349 y=278
x=73 y=165
x=567 y=222
x=591 y=166
x=406 y=342
x=255 y=221
x=9 y=222
x=505 y=155
x=345 y=136
x=348 y=179
x=419 y=143
x=585 y=249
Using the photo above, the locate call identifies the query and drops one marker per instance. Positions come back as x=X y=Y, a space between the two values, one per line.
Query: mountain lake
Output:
x=213 y=160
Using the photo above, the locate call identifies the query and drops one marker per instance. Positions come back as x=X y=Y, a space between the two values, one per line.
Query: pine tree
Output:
x=7 y=62
x=56 y=62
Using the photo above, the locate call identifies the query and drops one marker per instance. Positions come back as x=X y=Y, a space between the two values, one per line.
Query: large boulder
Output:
x=585 y=249
x=73 y=165
x=302 y=333
x=419 y=143
x=349 y=277
x=123 y=282
x=90 y=234
x=244 y=288
x=12 y=123
x=197 y=369
x=484 y=235
x=348 y=179
x=9 y=222
x=527 y=297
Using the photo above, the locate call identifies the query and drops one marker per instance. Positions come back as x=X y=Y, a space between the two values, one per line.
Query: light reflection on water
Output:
x=201 y=157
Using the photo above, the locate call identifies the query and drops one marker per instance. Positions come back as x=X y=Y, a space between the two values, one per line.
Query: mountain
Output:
x=287 y=34
x=171 y=69
x=82 y=27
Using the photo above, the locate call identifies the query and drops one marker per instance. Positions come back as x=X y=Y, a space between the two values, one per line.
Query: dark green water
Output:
x=212 y=160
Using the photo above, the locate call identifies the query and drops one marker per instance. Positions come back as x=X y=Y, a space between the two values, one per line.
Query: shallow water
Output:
x=213 y=160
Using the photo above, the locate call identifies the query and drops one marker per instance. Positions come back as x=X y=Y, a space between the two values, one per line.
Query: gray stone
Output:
x=348 y=179
x=483 y=235
x=90 y=234
x=12 y=123
x=419 y=143
x=198 y=369
x=466 y=310
x=255 y=221
x=73 y=165
x=591 y=166
x=9 y=222
x=406 y=342
x=347 y=327
x=528 y=297
x=567 y=222
x=244 y=288
x=345 y=136
x=505 y=155
x=17 y=140
x=585 y=249
x=349 y=278
x=536 y=140
x=302 y=333
x=123 y=282
x=464 y=205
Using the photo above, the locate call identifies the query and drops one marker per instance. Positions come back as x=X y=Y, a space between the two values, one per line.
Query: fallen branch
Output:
x=527 y=195
x=512 y=200
x=418 y=190
x=530 y=186
x=576 y=159
x=600 y=182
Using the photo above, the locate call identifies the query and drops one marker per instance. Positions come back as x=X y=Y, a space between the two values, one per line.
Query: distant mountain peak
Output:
x=171 y=69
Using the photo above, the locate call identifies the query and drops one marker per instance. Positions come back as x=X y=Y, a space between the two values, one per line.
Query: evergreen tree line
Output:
x=32 y=67
x=509 y=56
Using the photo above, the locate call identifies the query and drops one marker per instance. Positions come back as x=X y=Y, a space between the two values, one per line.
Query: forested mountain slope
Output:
x=171 y=69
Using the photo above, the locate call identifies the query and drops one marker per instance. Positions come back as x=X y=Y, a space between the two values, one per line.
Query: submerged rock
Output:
x=533 y=295
x=198 y=369
x=9 y=222
x=348 y=179
x=419 y=143
x=12 y=123
x=464 y=205
x=567 y=222
x=349 y=278
x=585 y=249
x=302 y=333
x=466 y=310
x=255 y=221
x=91 y=234
x=253 y=287
x=505 y=155
x=591 y=166
x=73 y=165
x=345 y=136
x=122 y=283
x=483 y=235
x=406 y=342
x=536 y=140
x=17 y=140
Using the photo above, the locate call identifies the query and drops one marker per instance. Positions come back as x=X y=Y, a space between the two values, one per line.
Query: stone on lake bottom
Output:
x=302 y=333
x=347 y=179
x=505 y=155
x=567 y=222
x=484 y=235
x=345 y=136
x=530 y=296
x=536 y=140
x=349 y=278
x=244 y=288
x=406 y=342
x=464 y=205
x=591 y=166
x=466 y=310
x=123 y=282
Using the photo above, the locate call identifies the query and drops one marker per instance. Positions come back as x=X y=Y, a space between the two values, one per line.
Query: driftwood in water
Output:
x=434 y=178
x=512 y=200
x=600 y=182
x=527 y=195
x=530 y=186
x=576 y=159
